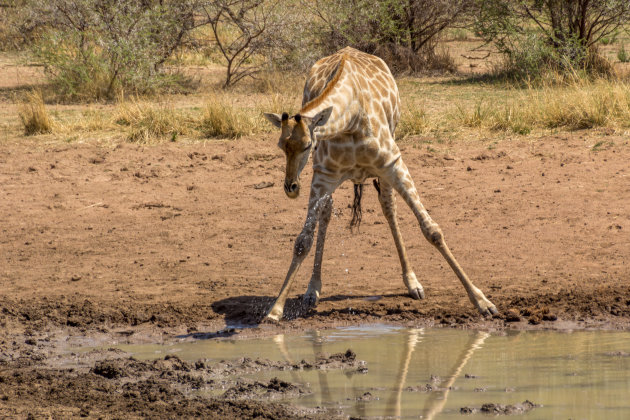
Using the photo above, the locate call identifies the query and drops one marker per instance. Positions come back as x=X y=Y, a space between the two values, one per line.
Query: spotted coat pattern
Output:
x=350 y=109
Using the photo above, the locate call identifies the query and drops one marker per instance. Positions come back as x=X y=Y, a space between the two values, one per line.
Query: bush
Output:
x=96 y=49
x=404 y=33
x=557 y=35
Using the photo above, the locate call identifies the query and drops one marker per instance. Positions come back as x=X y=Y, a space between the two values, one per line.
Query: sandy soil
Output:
x=136 y=241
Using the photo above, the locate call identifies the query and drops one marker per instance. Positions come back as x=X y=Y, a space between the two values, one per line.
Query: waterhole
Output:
x=436 y=373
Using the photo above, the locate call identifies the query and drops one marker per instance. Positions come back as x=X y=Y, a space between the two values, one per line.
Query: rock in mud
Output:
x=347 y=360
x=259 y=390
x=512 y=315
x=366 y=397
x=500 y=409
x=108 y=369
x=420 y=388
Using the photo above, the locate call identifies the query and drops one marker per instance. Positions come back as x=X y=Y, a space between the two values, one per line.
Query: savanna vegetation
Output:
x=164 y=70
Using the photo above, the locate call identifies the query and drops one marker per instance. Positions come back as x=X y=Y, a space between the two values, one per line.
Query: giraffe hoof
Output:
x=310 y=299
x=417 y=293
x=489 y=311
x=273 y=316
x=270 y=320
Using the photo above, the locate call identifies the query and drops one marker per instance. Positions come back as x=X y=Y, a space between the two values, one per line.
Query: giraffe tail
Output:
x=356 y=207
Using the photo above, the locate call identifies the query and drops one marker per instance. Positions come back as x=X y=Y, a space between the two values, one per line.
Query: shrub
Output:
x=562 y=34
x=97 y=49
x=34 y=115
x=404 y=33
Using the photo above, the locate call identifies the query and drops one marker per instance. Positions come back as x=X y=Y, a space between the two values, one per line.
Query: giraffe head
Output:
x=296 y=141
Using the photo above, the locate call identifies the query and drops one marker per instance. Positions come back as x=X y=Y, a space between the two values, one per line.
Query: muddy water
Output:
x=434 y=373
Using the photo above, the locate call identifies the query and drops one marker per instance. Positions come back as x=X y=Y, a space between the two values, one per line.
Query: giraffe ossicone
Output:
x=350 y=109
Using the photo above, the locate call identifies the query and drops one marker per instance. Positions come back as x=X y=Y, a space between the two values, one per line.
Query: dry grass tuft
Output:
x=85 y=121
x=224 y=120
x=34 y=115
x=149 y=122
x=584 y=105
x=578 y=105
x=413 y=122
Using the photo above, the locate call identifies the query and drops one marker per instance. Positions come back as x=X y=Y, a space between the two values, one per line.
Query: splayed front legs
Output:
x=320 y=206
x=398 y=176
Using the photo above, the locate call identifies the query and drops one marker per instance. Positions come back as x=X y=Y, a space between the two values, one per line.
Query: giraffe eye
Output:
x=308 y=147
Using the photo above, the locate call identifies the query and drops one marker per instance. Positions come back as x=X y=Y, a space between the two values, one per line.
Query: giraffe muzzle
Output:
x=292 y=189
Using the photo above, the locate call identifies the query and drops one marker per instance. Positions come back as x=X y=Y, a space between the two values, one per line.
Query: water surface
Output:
x=572 y=375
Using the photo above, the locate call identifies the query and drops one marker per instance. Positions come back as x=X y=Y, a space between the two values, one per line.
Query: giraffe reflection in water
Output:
x=436 y=399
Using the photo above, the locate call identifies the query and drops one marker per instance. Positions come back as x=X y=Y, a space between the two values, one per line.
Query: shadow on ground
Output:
x=250 y=310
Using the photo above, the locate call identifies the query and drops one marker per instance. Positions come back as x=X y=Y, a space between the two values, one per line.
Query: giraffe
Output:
x=350 y=108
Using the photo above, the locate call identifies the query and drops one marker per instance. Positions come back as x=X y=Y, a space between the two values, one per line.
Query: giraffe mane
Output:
x=313 y=103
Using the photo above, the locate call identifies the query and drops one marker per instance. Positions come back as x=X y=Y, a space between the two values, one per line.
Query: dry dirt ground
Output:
x=123 y=241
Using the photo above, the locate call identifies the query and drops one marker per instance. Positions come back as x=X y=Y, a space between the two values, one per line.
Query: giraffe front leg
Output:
x=402 y=182
x=388 y=205
x=301 y=249
x=311 y=297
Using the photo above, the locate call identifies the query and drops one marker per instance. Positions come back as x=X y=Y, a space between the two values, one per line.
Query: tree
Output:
x=403 y=32
x=241 y=31
x=568 y=28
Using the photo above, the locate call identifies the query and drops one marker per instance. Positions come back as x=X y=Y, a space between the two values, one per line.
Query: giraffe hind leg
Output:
x=398 y=176
x=388 y=205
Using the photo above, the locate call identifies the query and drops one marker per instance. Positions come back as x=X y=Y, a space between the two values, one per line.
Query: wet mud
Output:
x=108 y=383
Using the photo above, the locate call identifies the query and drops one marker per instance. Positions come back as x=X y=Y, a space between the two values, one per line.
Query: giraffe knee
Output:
x=303 y=245
x=434 y=235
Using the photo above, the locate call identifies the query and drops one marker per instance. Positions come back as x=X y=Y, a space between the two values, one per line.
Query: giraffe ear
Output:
x=321 y=117
x=275 y=119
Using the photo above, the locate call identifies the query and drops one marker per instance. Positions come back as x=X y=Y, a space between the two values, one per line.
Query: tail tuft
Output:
x=356 y=207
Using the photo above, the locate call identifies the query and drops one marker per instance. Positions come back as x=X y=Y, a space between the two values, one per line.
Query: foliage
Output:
x=98 y=48
x=610 y=39
x=561 y=33
x=623 y=55
x=402 y=32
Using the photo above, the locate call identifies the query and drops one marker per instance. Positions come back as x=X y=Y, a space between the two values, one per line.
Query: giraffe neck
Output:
x=338 y=95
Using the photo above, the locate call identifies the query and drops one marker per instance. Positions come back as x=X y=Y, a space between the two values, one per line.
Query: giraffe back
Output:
x=367 y=78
